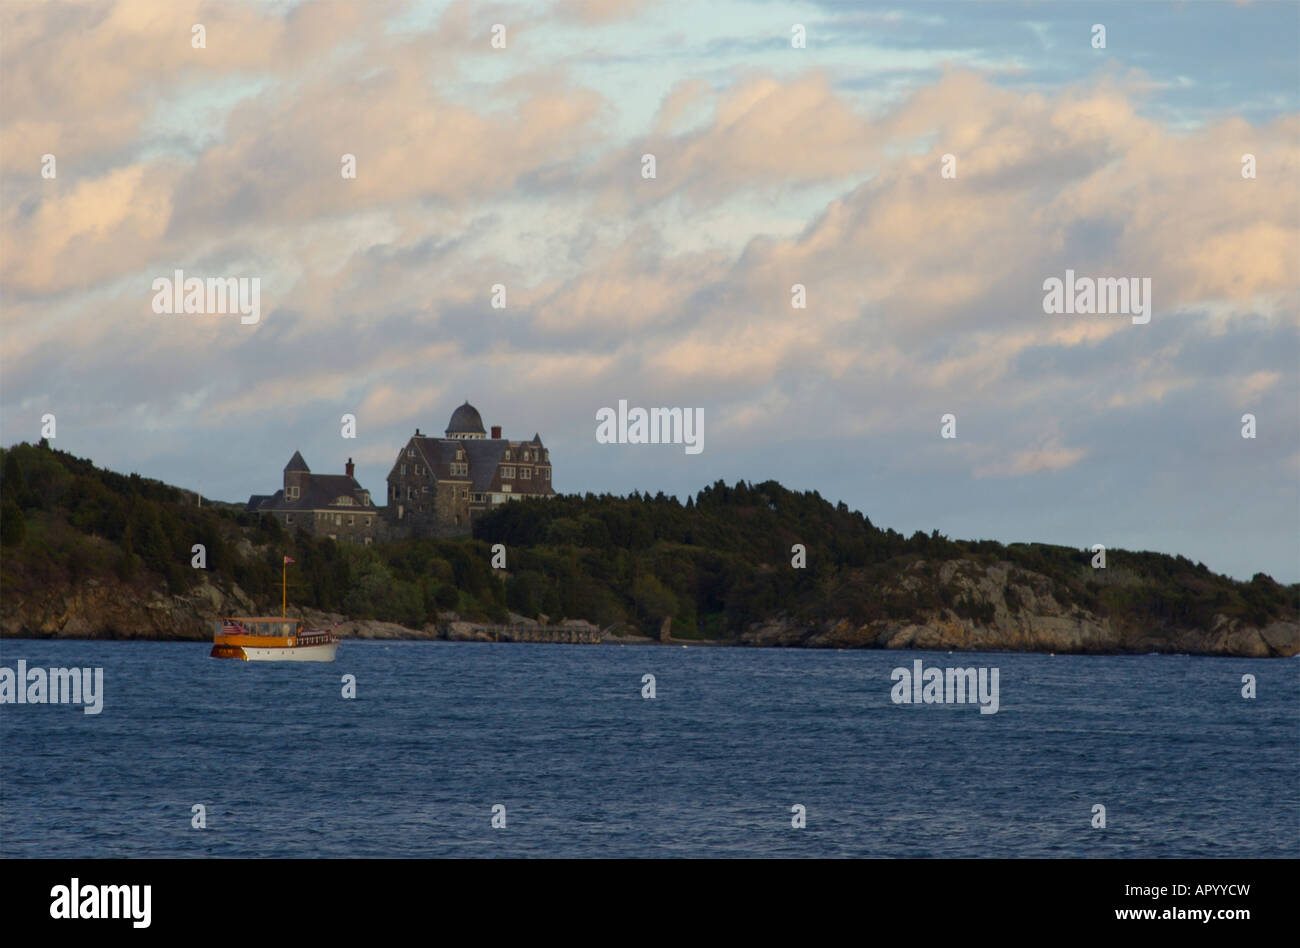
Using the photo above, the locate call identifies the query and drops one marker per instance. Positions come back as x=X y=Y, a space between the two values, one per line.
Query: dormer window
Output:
x=291 y=493
x=410 y=452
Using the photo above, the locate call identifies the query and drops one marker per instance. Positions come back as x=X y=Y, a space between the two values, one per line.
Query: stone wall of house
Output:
x=441 y=510
x=364 y=523
x=415 y=495
x=451 y=509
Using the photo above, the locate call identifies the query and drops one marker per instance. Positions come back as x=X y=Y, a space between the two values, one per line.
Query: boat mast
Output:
x=284 y=567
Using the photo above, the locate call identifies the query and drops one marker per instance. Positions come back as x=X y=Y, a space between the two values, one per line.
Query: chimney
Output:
x=417 y=432
x=496 y=432
x=349 y=468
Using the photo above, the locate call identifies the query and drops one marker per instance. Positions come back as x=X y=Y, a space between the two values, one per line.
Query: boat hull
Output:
x=286 y=653
x=297 y=653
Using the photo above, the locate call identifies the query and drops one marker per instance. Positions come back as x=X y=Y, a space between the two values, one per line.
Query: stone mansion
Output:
x=436 y=488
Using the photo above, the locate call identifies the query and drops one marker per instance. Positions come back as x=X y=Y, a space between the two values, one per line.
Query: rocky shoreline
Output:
x=1036 y=622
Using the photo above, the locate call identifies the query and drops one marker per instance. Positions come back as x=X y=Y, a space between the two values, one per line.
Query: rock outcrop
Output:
x=1023 y=616
x=97 y=610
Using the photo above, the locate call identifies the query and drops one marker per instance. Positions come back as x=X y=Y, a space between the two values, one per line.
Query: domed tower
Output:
x=466 y=423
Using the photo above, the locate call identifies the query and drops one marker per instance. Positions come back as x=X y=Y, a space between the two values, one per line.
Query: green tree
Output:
x=148 y=538
x=14 y=486
x=12 y=526
x=654 y=601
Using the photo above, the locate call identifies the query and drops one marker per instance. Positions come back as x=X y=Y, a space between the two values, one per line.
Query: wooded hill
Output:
x=715 y=565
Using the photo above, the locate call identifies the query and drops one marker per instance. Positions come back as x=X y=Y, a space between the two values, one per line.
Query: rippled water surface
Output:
x=440 y=732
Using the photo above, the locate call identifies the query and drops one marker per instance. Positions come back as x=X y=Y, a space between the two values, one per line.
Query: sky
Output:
x=775 y=164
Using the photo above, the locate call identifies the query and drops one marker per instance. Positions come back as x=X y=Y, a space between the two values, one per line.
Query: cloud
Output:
x=599 y=11
x=1046 y=459
x=924 y=293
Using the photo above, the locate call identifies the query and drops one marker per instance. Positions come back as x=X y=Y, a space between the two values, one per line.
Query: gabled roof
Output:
x=321 y=491
x=484 y=456
x=439 y=451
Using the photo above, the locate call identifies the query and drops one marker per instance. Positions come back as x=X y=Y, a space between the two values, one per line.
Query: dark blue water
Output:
x=440 y=732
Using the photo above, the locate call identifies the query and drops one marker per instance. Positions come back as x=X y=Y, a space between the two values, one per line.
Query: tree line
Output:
x=713 y=565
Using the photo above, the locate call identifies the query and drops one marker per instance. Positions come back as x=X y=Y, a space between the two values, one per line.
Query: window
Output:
x=403 y=469
x=459 y=469
x=506 y=488
x=464 y=492
x=507 y=454
x=528 y=455
x=367 y=541
x=289 y=519
x=291 y=493
x=349 y=521
x=368 y=519
x=508 y=472
x=410 y=453
x=546 y=473
x=410 y=493
x=526 y=473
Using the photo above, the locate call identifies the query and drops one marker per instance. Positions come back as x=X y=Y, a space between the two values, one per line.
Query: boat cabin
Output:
x=278 y=626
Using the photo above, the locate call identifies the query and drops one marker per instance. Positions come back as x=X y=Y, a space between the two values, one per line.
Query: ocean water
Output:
x=439 y=733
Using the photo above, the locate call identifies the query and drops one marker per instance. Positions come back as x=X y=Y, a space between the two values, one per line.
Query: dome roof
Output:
x=465 y=420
